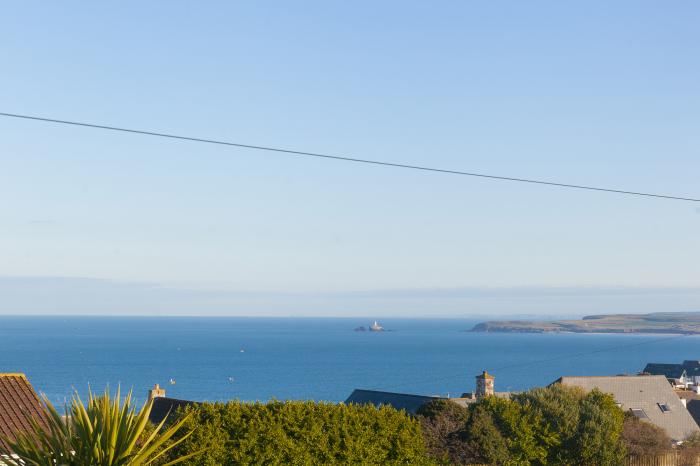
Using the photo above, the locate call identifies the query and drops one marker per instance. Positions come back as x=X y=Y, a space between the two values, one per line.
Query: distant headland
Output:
x=687 y=323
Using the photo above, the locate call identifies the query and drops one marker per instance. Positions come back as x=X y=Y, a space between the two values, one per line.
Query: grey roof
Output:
x=694 y=409
x=692 y=367
x=409 y=403
x=647 y=392
x=674 y=371
x=166 y=407
x=671 y=371
x=692 y=403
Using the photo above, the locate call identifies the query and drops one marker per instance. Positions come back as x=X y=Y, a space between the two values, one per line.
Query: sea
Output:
x=226 y=358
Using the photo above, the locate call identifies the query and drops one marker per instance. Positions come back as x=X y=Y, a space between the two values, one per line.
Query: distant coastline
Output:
x=681 y=323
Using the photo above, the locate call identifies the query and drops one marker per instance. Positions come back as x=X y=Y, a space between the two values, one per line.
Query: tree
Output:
x=555 y=425
x=483 y=442
x=599 y=436
x=527 y=433
x=454 y=434
x=561 y=407
x=442 y=423
x=588 y=425
x=103 y=433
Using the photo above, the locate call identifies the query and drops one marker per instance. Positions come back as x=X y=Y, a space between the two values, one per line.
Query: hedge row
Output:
x=300 y=433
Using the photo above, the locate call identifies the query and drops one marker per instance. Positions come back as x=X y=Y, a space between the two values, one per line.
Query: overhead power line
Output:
x=348 y=159
x=538 y=362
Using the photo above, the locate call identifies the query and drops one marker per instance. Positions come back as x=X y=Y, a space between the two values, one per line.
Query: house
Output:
x=691 y=400
x=164 y=406
x=19 y=404
x=401 y=401
x=679 y=375
x=649 y=397
x=485 y=386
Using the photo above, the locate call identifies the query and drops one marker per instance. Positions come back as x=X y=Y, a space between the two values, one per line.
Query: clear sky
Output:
x=598 y=92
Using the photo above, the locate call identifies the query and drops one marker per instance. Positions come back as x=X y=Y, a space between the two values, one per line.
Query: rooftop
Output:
x=164 y=406
x=649 y=397
x=18 y=404
x=405 y=401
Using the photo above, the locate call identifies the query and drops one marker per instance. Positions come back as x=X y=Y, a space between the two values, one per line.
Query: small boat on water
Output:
x=172 y=382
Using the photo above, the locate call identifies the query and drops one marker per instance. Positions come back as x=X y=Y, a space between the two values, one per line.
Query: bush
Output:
x=443 y=425
x=296 y=432
x=555 y=425
x=105 y=431
x=600 y=431
x=643 y=438
x=690 y=450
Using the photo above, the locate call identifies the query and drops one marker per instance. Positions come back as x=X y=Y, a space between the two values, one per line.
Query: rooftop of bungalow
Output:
x=649 y=397
x=689 y=368
x=164 y=406
x=19 y=404
x=412 y=403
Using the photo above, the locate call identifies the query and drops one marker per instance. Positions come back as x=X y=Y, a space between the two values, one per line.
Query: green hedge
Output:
x=300 y=433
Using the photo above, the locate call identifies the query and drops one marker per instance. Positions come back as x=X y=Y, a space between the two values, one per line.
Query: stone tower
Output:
x=484 y=384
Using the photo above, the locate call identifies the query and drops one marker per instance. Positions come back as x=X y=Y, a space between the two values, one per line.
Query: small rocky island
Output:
x=687 y=323
x=375 y=327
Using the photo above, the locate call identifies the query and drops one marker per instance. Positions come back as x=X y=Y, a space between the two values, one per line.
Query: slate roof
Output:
x=692 y=403
x=674 y=371
x=18 y=404
x=692 y=368
x=671 y=371
x=410 y=403
x=162 y=406
x=693 y=407
x=646 y=392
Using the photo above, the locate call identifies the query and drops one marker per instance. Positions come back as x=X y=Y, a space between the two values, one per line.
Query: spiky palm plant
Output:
x=106 y=432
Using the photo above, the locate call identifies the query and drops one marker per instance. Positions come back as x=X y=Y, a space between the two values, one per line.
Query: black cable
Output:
x=531 y=363
x=348 y=159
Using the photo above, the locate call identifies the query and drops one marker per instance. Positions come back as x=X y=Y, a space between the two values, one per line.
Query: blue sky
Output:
x=599 y=93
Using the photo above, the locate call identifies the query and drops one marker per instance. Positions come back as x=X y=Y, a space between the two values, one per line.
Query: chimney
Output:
x=156 y=392
x=484 y=385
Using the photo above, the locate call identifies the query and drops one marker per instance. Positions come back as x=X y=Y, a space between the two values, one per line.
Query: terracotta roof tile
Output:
x=18 y=404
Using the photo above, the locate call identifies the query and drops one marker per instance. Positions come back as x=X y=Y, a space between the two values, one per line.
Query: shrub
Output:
x=555 y=425
x=690 y=450
x=643 y=438
x=600 y=431
x=444 y=425
x=103 y=433
x=528 y=436
x=301 y=432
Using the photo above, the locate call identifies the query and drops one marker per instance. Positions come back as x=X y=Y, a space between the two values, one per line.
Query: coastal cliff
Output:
x=687 y=323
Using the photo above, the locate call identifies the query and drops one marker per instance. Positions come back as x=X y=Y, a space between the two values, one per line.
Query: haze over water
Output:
x=306 y=358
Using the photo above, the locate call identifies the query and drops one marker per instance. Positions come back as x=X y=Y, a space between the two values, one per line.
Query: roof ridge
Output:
x=609 y=376
x=395 y=393
x=13 y=374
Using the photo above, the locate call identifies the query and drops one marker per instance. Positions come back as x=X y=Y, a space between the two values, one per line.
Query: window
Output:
x=664 y=407
x=639 y=413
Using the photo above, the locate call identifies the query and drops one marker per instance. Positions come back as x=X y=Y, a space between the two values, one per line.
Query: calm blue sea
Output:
x=306 y=358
